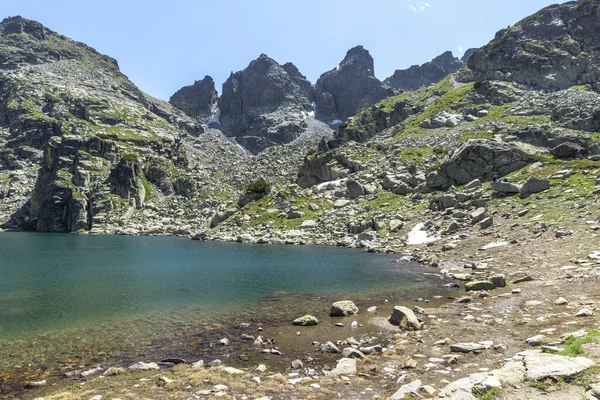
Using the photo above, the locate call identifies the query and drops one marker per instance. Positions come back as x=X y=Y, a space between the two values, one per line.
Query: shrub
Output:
x=258 y=186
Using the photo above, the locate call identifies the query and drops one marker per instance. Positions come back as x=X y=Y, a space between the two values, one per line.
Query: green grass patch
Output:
x=489 y=394
x=573 y=346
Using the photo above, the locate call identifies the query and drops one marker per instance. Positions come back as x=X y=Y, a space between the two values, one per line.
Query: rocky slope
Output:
x=266 y=104
x=83 y=149
x=419 y=76
x=344 y=91
x=414 y=156
x=553 y=49
x=198 y=100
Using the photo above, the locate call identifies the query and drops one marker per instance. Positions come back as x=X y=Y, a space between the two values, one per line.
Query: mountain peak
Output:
x=18 y=24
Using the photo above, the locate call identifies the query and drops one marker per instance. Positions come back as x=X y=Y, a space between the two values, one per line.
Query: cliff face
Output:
x=79 y=140
x=553 y=49
x=198 y=100
x=265 y=104
x=344 y=91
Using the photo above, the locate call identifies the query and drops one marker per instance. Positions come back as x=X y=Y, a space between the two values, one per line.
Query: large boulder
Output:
x=478 y=158
x=418 y=76
x=552 y=49
x=265 y=104
x=343 y=308
x=534 y=185
x=198 y=100
x=344 y=91
x=405 y=318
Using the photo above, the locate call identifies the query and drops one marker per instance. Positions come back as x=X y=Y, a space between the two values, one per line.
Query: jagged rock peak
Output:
x=265 y=103
x=344 y=91
x=553 y=49
x=198 y=100
x=19 y=24
x=359 y=60
x=418 y=76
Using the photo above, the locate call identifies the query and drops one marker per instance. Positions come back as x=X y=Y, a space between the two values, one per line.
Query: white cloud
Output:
x=419 y=7
x=460 y=50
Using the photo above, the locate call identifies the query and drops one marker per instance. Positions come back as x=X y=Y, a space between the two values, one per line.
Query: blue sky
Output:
x=164 y=45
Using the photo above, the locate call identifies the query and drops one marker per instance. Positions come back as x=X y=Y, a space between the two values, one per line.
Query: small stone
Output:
x=584 y=312
x=329 y=347
x=466 y=347
x=198 y=364
x=536 y=340
x=36 y=384
x=225 y=342
x=256 y=380
x=306 y=320
x=561 y=301
x=351 y=352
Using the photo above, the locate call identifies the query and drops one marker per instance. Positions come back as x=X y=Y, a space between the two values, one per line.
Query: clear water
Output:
x=68 y=301
x=56 y=281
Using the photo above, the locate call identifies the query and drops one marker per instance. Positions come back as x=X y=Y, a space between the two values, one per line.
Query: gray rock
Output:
x=479 y=285
x=405 y=318
x=329 y=347
x=306 y=320
x=486 y=223
x=370 y=350
x=534 y=185
x=343 y=308
x=539 y=366
x=345 y=367
x=505 y=187
x=466 y=347
x=351 y=352
x=408 y=391
x=355 y=189
x=478 y=215
x=478 y=159
x=143 y=366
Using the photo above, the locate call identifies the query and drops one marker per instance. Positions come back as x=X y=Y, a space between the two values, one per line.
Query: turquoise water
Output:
x=56 y=281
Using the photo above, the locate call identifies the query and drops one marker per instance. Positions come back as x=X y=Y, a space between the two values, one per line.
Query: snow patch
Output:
x=420 y=236
x=494 y=244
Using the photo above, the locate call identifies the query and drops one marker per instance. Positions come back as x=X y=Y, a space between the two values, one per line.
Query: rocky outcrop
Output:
x=418 y=76
x=553 y=49
x=478 y=158
x=87 y=149
x=265 y=104
x=344 y=91
x=198 y=100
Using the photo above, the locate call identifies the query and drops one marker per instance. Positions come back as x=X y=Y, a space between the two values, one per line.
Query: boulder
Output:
x=534 y=185
x=505 y=187
x=355 y=189
x=479 y=285
x=466 y=347
x=405 y=318
x=478 y=159
x=306 y=320
x=345 y=367
x=543 y=365
x=343 y=308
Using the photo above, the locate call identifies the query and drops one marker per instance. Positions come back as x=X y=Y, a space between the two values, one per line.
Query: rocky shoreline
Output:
x=465 y=342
